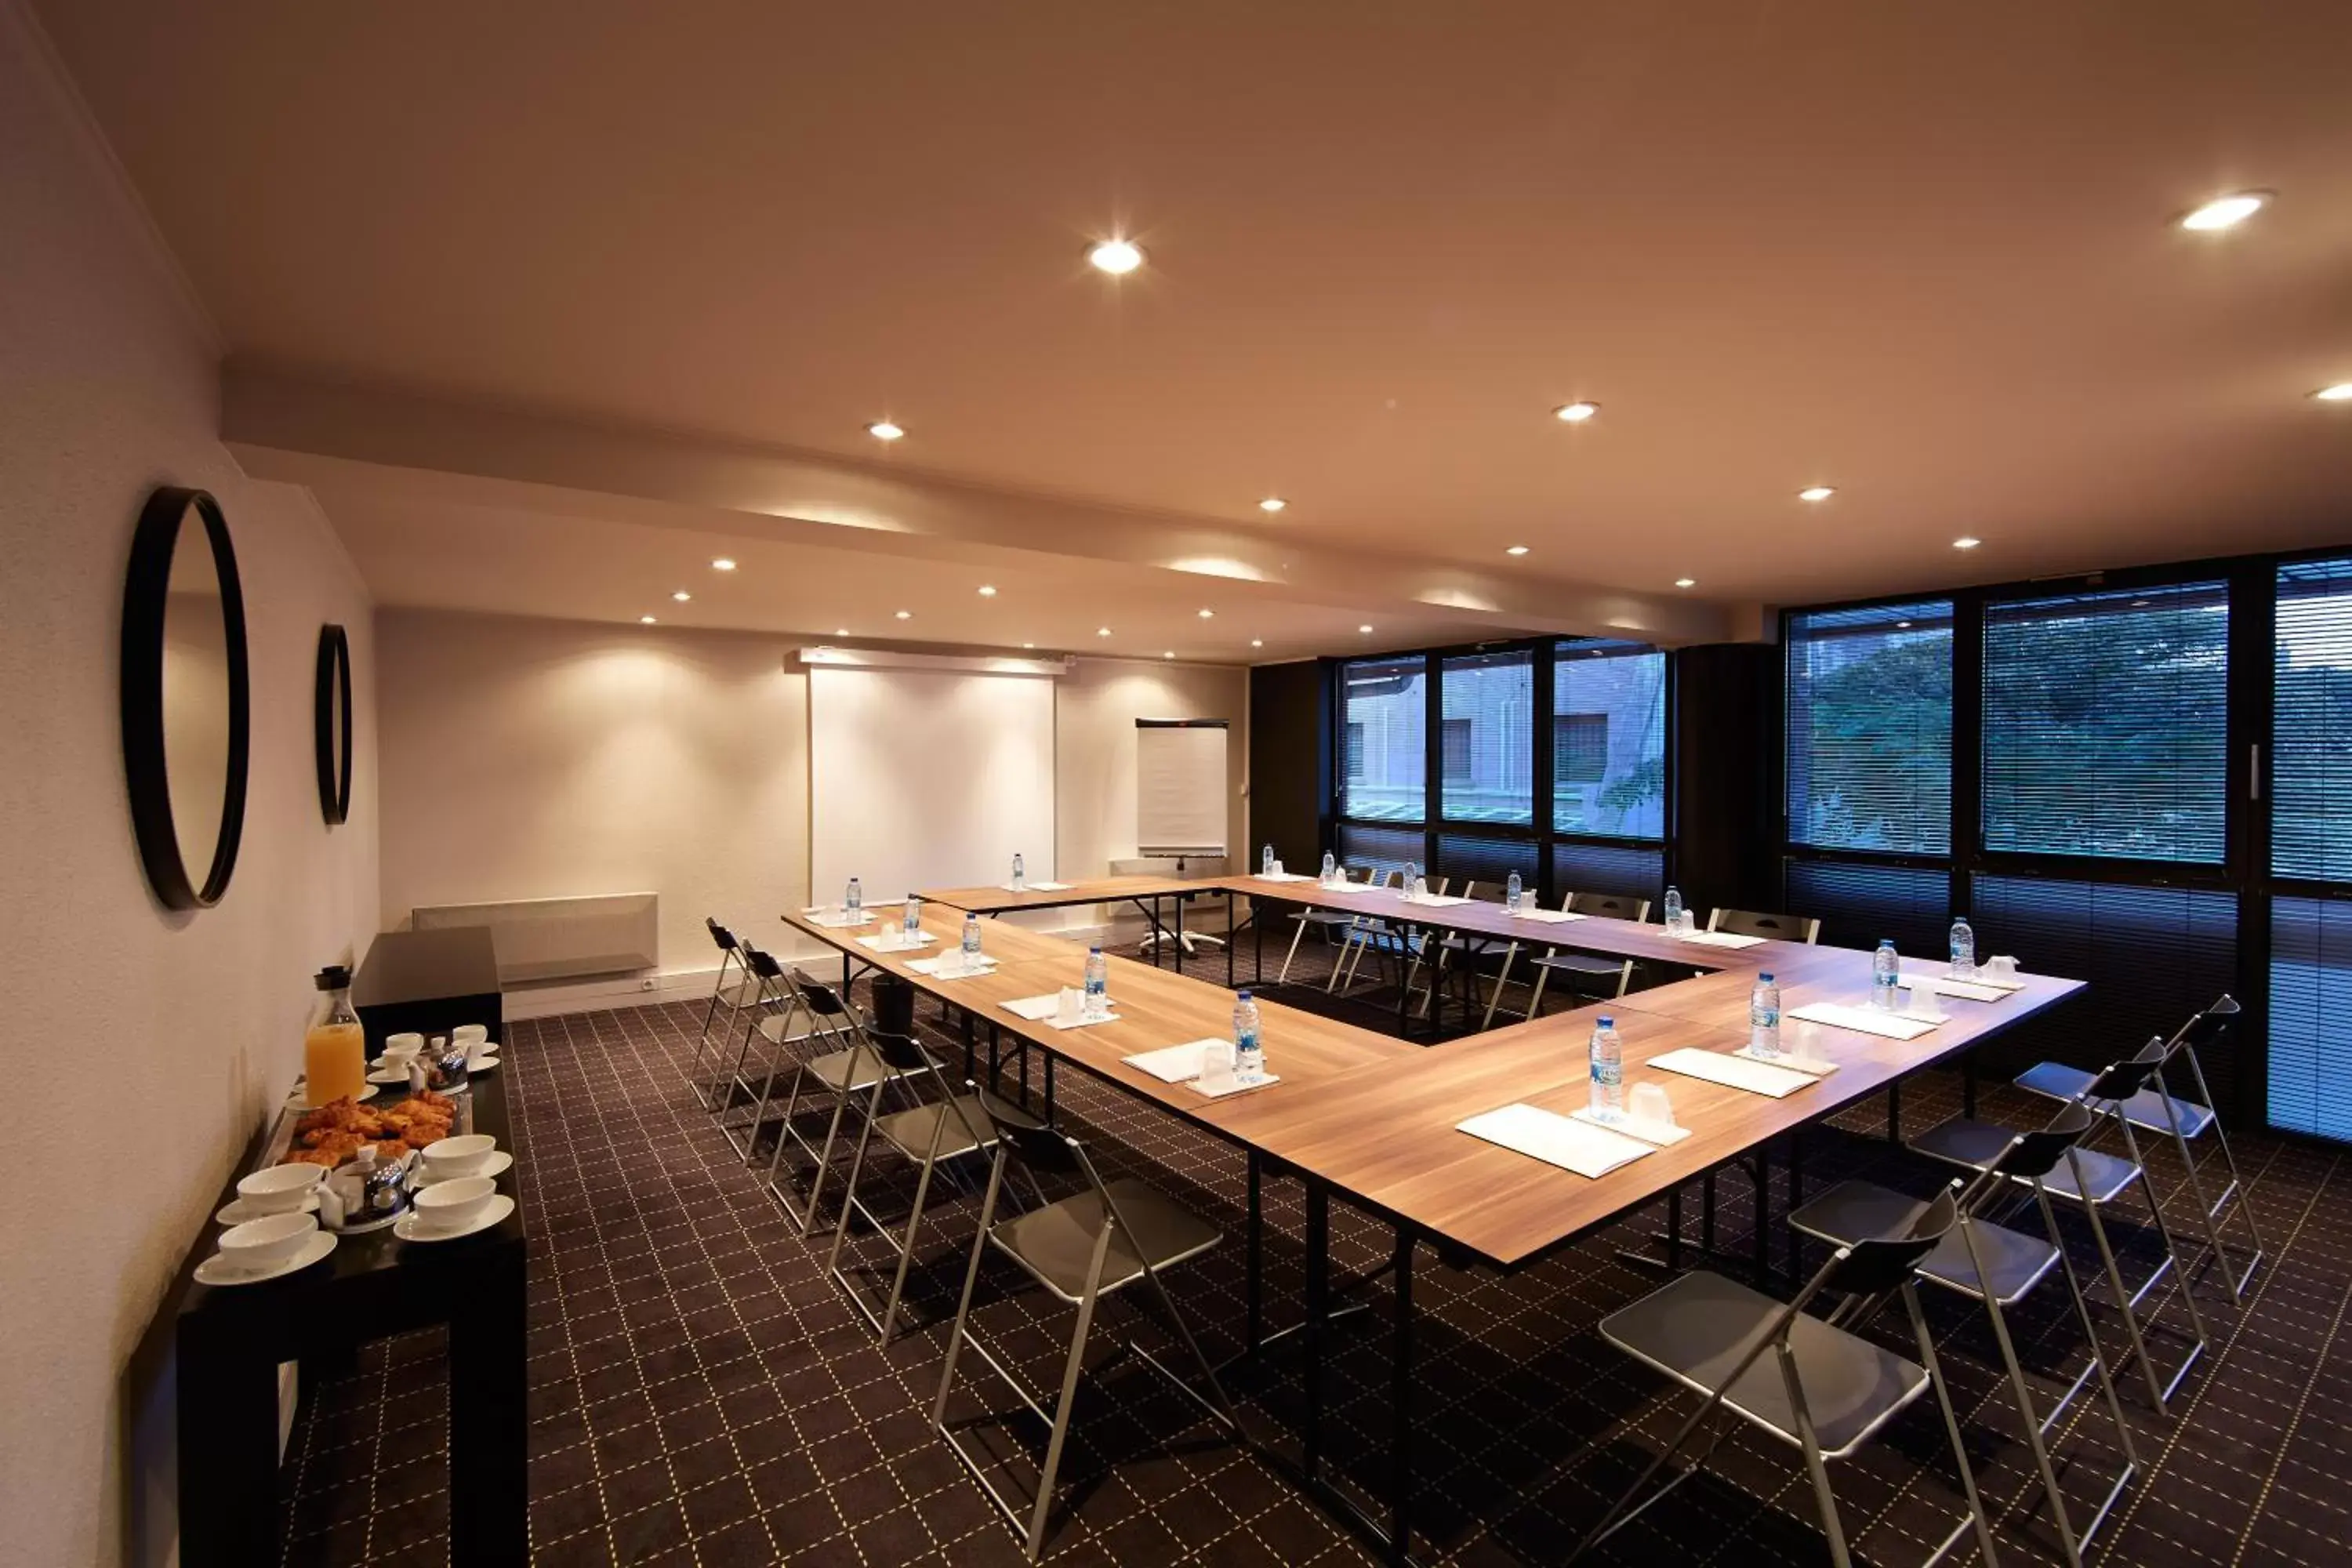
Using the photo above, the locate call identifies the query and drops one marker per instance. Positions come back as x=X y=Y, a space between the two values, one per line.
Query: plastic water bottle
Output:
x=971 y=941
x=1019 y=874
x=1964 y=948
x=1330 y=867
x=1886 y=974
x=1764 y=1019
x=1674 y=912
x=1608 y=1071
x=1412 y=875
x=1265 y=861
x=854 y=901
x=1511 y=893
x=914 y=926
x=1097 y=982
x=1249 y=1048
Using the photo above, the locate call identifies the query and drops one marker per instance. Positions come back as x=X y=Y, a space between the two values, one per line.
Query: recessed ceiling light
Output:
x=1685 y=581
x=1366 y=631
x=2139 y=604
x=1903 y=626
x=1208 y=614
x=1028 y=645
x=1272 y=503
x=1965 y=542
x=644 y=620
x=1169 y=654
x=723 y=564
x=883 y=430
x=1115 y=256
x=1516 y=550
x=2226 y=212
x=988 y=590
x=1817 y=492
x=905 y=614
x=1102 y=631
x=1257 y=642
x=2340 y=393
x=681 y=595
x=1575 y=413
x=840 y=631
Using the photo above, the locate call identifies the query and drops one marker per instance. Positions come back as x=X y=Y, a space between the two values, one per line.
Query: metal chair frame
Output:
x=769 y=1017
x=734 y=999
x=1326 y=921
x=1763 y=923
x=834 y=1023
x=1544 y=965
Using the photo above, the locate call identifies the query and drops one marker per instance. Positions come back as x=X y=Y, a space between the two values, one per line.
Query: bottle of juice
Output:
x=334 y=1053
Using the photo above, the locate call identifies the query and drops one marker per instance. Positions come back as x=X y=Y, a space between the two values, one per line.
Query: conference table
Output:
x=1375 y=1122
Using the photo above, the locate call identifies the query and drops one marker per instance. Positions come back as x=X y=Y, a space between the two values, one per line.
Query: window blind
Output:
x=2310 y=1017
x=2105 y=723
x=1386 y=715
x=1607 y=868
x=1869 y=710
x=1489 y=862
x=1488 y=741
x=1858 y=904
x=2311 y=762
x=1382 y=849
x=1608 y=738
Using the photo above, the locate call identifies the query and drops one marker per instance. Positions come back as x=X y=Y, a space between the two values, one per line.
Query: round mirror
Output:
x=332 y=724
x=185 y=699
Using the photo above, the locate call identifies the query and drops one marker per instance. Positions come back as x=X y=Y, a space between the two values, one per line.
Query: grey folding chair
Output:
x=1827 y=1392
x=1387 y=943
x=1591 y=974
x=1099 y=1241
x=2000 y=1267
x=1334 y=924
x=1806 y=929
x=2095 y=1181
x=735 y=998
x=1434 y=948
x=845 y=1067
x=935 y=1130
x=732 y=1087
x=2158 y=1109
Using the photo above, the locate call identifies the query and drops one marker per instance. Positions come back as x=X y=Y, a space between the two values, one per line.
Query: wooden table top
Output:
x=997 y=900
x=1376 y=1119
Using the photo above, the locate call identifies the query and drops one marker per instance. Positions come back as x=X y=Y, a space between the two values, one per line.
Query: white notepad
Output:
x=1865 y=1020
x=1229 y=1086
x=1812 y=1066
x=950 y=966
x=1663 y=1134
x=1286 y=876
x=1719 y=1066
x=1974 y=990
x=1721 y=939
x=1589 y=1151
x=1037 y=888
x=1172 y=1064
x=1433 y=901
x=836 y=920
x=897 y=941
x=1042 y=1010
x=1548 y=917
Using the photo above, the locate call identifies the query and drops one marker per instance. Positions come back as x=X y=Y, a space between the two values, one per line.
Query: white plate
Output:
x=391 y=1077
x=217 y=1271
x=301 y=1098
x=497 y=1208
x=497 y=1164
x=235 y=1211
x=483 y=1064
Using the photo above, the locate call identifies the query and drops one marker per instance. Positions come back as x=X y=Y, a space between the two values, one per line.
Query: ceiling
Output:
x=1922 y=254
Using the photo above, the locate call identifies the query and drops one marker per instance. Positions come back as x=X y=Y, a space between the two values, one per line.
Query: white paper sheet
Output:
x=1286 y=876
x=1591 y=1151
x=1036 y=887
x=1230 y=1086
x=1863 y=1020
x=898 y=942
x=1172 y=1064
x=1548 y=917
x=1930 y=980
x=1719 y=1066
x=1433 y=901
x=950 y=966
x=1664 y=1134
x=1721 y=939
x=1812 y=1066
x=836 y=922
x=1042 y=1010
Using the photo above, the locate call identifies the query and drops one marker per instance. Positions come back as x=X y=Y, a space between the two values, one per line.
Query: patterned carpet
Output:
x=701 y=1393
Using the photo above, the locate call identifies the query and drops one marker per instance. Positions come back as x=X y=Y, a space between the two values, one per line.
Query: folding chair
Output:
x=1099 y=1241
x=1373 y=934
x=1327 y=921
x=730 y=1087
x=1829 y=1390
x=1806 y=929
x=2095 y=1181
x=2000 y=1267
x=733 y=997
x=847 y=1067
x=1615 y=975
x=2157 y=1109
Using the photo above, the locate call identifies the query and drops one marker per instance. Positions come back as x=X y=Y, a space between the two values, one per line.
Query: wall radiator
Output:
x=544 y=940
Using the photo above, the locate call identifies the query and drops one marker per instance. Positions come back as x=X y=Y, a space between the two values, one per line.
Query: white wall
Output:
x=530 y=758
x=144 y=1047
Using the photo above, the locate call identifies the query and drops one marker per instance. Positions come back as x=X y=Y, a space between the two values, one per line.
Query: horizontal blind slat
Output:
x=1869 y=708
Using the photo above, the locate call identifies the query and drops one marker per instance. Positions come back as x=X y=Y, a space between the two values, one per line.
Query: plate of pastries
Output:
x=337 y=1131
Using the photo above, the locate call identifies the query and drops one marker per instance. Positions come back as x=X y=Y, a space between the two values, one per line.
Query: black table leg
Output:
x=1318 y=1310
x=1796 y=1197
x=1024 y=1074
x=1895 y=1111
x=1229 y=939
x=1763 y=1174
x=1257 y=942
x=970 y=1028
x=1706 y=1214
x=1255 y=1292
x=229 y=1455
x=490 y=1423
x=1675 y=1228
x=1180 y=933
x=1049 y=1088
x=1401 y=1413
x=1968 y=1085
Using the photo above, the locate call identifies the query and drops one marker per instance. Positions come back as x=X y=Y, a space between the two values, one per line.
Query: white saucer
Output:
x=235 y=1212
x=302 y=1099
x=482 y=1064
x=497 y=1208
x=391 y=1077
x=217 y=1269
x=497 y=1164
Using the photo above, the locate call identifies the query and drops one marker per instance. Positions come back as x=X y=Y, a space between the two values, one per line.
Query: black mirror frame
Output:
x=334 y=686
x=145 y=591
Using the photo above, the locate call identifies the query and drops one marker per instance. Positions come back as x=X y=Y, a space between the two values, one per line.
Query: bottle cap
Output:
x=1242 y=994
x=1607 y=1022
x=334 y=977
x=1765 y=978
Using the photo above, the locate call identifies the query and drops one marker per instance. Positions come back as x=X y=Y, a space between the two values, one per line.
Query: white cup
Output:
x=2000 y=967
x=266 y=1242
x=1649 y=1103
x=470 y=1034
x=459 y=1156
x=1216 y=1063
x=1070 y=1005
x=398 y=1048
x=453 y=1206
x=279 y=1189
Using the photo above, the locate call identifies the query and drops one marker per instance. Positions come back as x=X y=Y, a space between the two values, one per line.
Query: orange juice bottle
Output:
x=334 y=1053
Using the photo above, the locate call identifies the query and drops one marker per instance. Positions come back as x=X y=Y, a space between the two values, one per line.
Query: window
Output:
x=2311 y=760
x=1870 y=728
x=1609 y=738
x=1387 y=715
x=2103 y=723
x=1486 y=739
x=2310 y=1017
x=1454 y=748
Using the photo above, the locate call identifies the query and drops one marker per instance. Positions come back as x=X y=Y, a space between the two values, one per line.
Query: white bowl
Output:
x=458 y=1156
x=465 y=1032
x=402 y=1044
x=453 y=1206
x=259 y=1243
x=279 y=1189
